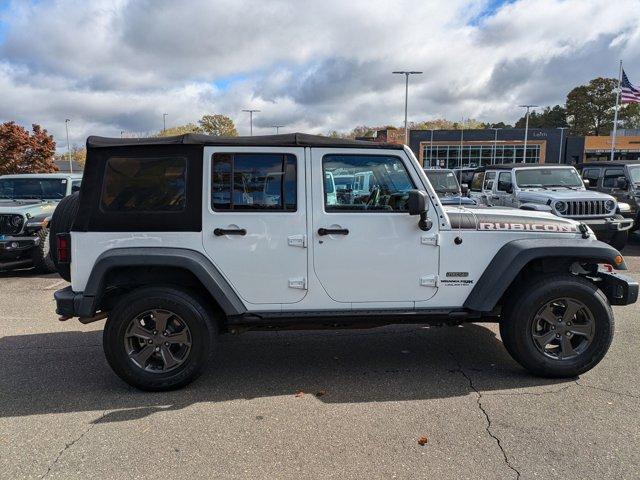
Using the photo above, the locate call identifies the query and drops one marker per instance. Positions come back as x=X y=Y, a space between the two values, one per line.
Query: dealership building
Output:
x=472 y=148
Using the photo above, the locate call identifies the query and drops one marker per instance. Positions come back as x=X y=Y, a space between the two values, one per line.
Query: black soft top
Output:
x=608 y=163
x=286 y=140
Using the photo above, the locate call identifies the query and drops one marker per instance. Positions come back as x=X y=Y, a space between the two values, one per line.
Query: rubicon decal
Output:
x=530 y=227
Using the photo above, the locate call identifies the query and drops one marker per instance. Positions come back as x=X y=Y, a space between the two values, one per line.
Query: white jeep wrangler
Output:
x=174 y=241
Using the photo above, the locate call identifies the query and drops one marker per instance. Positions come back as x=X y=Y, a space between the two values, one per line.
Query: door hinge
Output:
x=429 y=281
x=297 y=241
x=430 y=239
x=298 y=282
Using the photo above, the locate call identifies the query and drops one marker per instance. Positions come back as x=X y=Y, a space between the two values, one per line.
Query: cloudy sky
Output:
x=314 y=66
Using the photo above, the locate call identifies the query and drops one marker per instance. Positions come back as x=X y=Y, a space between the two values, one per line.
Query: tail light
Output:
x=64 y=248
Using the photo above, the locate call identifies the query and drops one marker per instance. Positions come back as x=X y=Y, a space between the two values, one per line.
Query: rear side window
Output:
x=151 y=184
x=477 y=182
x=254 y=182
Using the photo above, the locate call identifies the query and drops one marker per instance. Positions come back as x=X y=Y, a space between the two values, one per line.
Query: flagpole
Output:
x=615 y=115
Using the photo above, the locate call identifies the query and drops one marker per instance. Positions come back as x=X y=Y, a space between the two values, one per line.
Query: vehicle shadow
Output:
x=66 y=372
x=27 y=273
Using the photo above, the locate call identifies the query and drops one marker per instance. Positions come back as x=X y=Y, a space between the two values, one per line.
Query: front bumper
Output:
x=608 y=225
x=14 y=249
x=619 y=289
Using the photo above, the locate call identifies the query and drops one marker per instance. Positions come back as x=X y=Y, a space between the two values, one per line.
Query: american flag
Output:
x=628 y=93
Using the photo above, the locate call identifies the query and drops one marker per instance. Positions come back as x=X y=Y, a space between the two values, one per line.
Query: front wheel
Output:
x=557 y=326
x=42 y=260
x=158 y=338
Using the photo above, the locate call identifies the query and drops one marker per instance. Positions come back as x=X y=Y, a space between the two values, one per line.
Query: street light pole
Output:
x=562 y=129
x=164 y=122
x=526 y=130
x=431 y=150
x=66 y=125
x=277 y=127
x=406 y=99
x=251 y=112
x=495 y=144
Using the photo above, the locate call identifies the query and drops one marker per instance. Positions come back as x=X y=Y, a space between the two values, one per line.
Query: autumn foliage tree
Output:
x=25 y=152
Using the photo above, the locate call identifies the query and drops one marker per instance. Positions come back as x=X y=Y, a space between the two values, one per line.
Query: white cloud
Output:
x=313 y=66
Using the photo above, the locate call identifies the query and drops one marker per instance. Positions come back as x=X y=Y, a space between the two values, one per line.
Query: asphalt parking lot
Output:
x=346 y=404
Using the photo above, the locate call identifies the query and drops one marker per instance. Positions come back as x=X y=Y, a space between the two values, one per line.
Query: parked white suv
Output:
x=174 y=244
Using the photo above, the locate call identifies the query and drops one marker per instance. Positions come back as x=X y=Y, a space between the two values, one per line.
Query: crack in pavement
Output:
x=486 y=415
x=72 y=443
x=623 y=394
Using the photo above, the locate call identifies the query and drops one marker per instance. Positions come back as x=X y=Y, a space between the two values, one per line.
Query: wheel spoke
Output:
x=548 y=316
x=167 y=357
x=566 y=347
x=139 y=331
x=571 y=311
x=180 y=337
x=584 y=330
x=544 y=339
x=161 y=319
x=143 y=355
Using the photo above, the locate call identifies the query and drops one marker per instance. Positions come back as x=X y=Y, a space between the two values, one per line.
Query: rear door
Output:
x=368 y=249
x=254 y=222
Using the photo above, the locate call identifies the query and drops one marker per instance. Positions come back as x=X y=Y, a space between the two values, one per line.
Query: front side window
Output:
x=592 y=175
x=138 y=184
x=611 y=175
x=548 y=177
x=253 y=181
x=381 y=183
x=634 y=173
x=504 y=181
x=41 y=188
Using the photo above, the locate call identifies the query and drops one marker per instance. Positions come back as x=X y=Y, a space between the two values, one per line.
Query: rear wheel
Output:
x=557 y=326
x=158 y=338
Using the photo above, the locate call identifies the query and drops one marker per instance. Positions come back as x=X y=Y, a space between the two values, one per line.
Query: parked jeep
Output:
x=557 y=189
x=173 y=245
x=619 y=179
x=26 y=204
x=446 y=185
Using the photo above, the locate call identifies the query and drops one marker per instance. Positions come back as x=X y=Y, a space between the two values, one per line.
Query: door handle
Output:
x=218 y=232
x=333 y=231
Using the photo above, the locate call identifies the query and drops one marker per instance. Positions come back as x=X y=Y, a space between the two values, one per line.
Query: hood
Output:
x=456 y=200
x=32 y=207
x=560 y=194
x=512 y=220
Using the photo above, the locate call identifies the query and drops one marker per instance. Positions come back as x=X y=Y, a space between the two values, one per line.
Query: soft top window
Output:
x=144 y=184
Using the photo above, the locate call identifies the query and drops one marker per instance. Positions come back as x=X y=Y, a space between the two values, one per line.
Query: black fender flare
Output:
x=513 y=256
x=191 y=260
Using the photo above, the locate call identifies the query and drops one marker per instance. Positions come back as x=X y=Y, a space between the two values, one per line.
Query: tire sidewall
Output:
x=518 y=328
x=178 y=302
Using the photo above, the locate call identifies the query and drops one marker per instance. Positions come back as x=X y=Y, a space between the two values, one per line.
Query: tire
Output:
x=61 y=222
x=619 y=240
x=122 y=347
x=42 y=260
x=522 y=316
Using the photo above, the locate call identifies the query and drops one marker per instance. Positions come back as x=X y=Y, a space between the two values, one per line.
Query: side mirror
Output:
x=464 y=189
x=586 y=182
x=509 y=189
x=489 y=185
x=622 y=183
x=75 y=188
x=417 y=202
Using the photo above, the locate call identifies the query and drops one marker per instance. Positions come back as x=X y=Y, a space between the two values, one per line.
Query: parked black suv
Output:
x=620 y=179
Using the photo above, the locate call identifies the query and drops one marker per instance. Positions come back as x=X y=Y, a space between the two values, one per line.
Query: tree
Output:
x=630 y=116
x=590 y=108
x=549 y=118
x=21 y=152
x=180 y=130
x=219 y=125
x=78 y=155
x=498 y=125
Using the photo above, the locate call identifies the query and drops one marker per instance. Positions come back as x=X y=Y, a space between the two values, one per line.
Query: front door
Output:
x=366 y=247
x=255 y=221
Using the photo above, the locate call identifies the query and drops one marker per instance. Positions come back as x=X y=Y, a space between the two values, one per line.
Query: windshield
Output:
x=634 y=173
x=548 y=177
x=45 y=188
x=443 y=181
